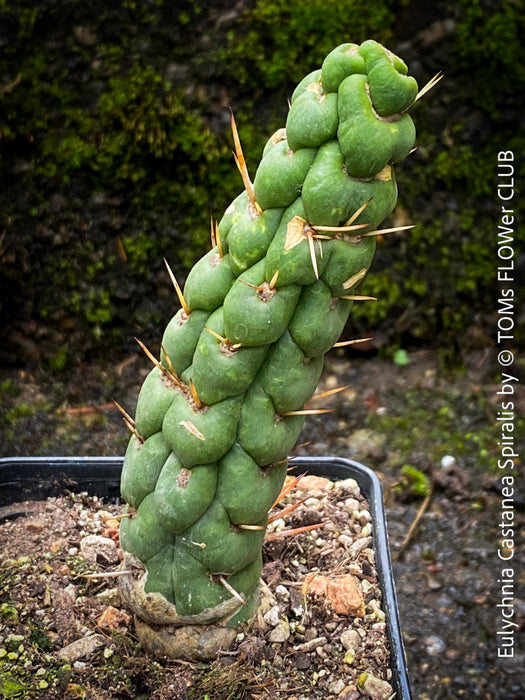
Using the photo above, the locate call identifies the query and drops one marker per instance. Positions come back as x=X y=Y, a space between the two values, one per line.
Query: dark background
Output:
x=115 y=148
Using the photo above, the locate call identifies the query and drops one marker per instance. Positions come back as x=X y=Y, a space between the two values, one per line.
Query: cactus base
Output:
x=191 y=643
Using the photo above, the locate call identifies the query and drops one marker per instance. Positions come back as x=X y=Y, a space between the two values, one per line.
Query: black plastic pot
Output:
x=36 y=478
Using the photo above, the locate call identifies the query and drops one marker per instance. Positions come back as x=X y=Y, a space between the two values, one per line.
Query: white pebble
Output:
x=272 y=617
x=350 y=484
x=313 y=502
x=345 y=540
x=350 y=639
x=351 y=505
x=448 y=461
x=282 y=591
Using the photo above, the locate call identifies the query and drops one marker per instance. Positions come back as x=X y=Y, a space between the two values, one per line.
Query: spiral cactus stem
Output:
x=243 y=168
x=180 y=295
x=431 y=83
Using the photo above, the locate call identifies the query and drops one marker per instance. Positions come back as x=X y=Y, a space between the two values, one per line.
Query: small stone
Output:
x=84 y=36
x=312 y=502
x=367 y=444
x=434 y=645
x=364 y=516
x=81 y=647
x=336 y=686
x=109 y=596
x=349 y=657
x=113 y=618
x=358 y=546
x=350 y=639
x=99 y=549
x=282 y=592
x=317 y=485
x=278 y=661
x=321 y=652
x=375 y=688
x=281 y=632
x=349 y=485
x=448 y=461
x=303 y=661
x=351 y=505
x=367 y=530
x=273 y=616
x=345 y=540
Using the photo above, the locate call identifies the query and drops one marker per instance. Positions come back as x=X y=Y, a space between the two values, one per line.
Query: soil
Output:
x=319 y=631
x=432 y=436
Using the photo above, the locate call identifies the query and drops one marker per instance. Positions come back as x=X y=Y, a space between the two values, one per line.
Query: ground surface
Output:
x=391 y=417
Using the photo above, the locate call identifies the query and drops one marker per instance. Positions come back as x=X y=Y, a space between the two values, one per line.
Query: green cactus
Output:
x=219 y=413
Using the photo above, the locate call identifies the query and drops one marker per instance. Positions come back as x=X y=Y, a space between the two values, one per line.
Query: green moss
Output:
x=131 y=103
x=435 y=422
x=413 y=482
x=277 y=42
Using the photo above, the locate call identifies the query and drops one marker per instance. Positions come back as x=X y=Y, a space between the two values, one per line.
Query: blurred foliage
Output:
x=115 y=149
x=268 y=46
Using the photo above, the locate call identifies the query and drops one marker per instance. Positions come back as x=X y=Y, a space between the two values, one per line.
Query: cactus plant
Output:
x=223 y=406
